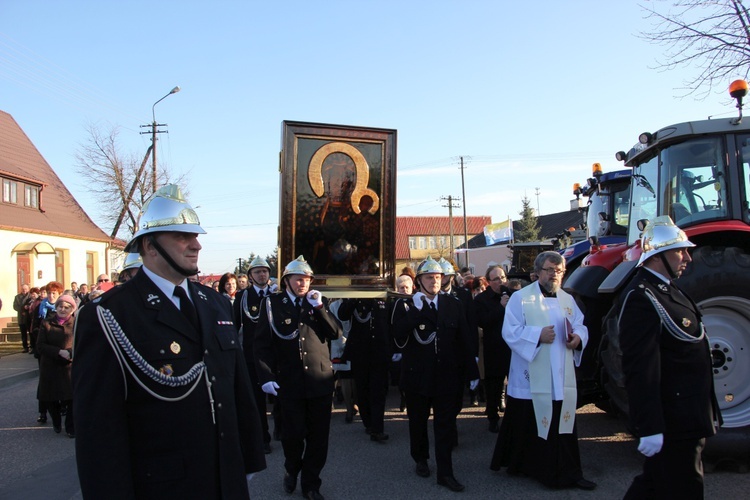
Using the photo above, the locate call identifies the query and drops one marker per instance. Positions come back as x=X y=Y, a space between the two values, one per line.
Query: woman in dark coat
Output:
x=54 y=345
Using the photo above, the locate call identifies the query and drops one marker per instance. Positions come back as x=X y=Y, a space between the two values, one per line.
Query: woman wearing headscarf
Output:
x=55 y=345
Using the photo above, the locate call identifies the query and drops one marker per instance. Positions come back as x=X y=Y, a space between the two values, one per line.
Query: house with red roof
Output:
x=44 y=233
x=418 y=237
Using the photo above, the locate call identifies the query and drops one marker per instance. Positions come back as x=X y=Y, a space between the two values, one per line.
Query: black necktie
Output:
x=298 y=303
x=186 y=307
x=260 y=294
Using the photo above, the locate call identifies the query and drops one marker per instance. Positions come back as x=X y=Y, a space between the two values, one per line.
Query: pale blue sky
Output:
x=532 y=93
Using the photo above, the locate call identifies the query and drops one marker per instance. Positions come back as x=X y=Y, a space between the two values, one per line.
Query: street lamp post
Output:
x=154 y=131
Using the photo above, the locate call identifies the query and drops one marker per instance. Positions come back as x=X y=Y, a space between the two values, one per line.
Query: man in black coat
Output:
x=24 y=319
x=490 y=308
x=246 y=315
x=161 y=394
x=294 y=363
x=667 y=365
x=437 y=361
x=368 y=347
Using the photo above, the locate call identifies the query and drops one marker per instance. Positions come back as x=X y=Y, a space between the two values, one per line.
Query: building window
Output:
x=431 y=242
x=60 y=265
x=422 y=243
x=412 y=243
x=10 y=194
x=90 y=269
x=31 y=196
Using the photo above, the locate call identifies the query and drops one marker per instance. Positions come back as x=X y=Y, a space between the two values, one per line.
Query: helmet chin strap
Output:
x=664 y=261
x=185 y=272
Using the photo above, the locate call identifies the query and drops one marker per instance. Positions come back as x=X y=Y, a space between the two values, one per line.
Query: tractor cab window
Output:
x=643 y=203
x=693 y=181
x=745 y=184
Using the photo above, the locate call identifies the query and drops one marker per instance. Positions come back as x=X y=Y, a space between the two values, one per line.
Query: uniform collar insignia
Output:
x=202 y=295
x=662 y=287
x=285 y=300
x=153 y=299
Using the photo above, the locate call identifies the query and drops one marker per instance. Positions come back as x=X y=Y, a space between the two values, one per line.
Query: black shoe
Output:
x=423 y=470
x=26 y=349
x=402 y=406
x=313 y=495
x=380 y=437
x=290 y=482
x=267 y=448
x=42 y=418
x=450 y=483
x=494 y=427
x=57 y=428
x=584 y=484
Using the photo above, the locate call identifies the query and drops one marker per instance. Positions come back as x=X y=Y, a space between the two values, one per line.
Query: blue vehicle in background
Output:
x=605 y=216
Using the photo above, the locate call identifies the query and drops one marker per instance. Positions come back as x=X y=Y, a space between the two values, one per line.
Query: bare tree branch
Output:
x=713 y=37
x=110 y=173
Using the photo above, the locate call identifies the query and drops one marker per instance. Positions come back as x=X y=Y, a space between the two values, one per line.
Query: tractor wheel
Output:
x=717 y=280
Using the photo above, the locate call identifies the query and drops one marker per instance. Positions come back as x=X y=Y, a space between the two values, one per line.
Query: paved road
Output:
x=35 y=463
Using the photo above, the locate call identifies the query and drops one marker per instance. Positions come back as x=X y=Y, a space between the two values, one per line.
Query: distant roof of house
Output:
x=62 y=215
x=550 y=225
x=434 y=226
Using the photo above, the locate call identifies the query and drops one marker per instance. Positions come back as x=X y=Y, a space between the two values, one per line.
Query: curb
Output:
x=18 y=377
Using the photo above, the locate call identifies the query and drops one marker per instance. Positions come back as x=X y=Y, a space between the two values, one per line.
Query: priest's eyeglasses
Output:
x=553 y=270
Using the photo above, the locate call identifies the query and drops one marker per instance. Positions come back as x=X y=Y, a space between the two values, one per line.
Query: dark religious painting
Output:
x=338 y=188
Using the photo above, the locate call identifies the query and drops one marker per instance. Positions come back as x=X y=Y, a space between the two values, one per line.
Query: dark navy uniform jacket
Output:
x=130 y=443
x=669 y=381
x=300 y=365
x=442 y=365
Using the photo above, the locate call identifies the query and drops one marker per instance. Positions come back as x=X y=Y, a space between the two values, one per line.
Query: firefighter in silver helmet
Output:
x=130 y=267
x=160 y=378
x=667 y=366
x=437 y=361
x=294 y=364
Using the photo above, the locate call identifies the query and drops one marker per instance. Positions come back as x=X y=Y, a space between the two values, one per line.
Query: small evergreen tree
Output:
x=528 y=225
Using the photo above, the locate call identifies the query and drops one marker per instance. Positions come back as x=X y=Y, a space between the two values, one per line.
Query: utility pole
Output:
x=466 y=230
x=450 y=199
x=538 y=212
x=239 y=267
x=153 y=133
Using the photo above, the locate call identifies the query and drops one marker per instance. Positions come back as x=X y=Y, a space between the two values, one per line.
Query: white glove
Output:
x=474 y=384
x=315 y=298
x=64 y=354
x=418 y=299
x=270 y=388
x=396 y=357
x=651 y=445
x=273 y=288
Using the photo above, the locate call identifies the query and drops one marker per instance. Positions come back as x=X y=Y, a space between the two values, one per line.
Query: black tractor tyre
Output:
x=718 y=280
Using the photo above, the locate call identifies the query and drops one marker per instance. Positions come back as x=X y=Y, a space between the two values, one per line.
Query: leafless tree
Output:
x=711 y=36
x=113 y=174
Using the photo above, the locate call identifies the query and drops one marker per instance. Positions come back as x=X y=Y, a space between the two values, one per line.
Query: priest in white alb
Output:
x=544 y=329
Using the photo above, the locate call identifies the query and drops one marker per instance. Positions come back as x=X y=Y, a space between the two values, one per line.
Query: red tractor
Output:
x=699 y=174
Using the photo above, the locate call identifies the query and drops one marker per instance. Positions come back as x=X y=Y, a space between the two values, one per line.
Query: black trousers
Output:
x=24 y=335
x=371 y=380
x=493 y=389
x=55 y=410
x=306 y=425
x=444 y=426
x=675 y=472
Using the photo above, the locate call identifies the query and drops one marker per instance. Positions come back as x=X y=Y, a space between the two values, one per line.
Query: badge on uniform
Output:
x=175 y=348
x=202 y=295
x=153 y=299
x=686 y=322
x=288 y=321
x=284 y=300
x=166 y=370
x=662 y=287
x=254 y=308
x=422 y=327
